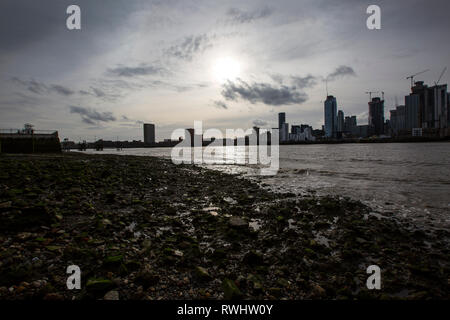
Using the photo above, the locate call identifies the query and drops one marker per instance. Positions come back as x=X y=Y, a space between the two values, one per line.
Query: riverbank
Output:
x=143 y=228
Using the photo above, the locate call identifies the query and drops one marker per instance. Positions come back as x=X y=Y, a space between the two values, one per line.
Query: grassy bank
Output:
x=143 y=228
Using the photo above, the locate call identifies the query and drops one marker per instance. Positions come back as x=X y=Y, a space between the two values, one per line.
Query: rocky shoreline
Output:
x=143 y=228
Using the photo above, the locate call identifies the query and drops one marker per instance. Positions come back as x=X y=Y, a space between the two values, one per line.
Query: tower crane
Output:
x=370 y=94
x=440 y=77
x=413 y=75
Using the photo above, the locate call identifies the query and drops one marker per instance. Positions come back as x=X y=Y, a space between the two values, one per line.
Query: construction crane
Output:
x=440 y=77
x=370 y=94
x=413 y=75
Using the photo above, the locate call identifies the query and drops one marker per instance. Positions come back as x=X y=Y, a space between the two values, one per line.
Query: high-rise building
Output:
x=340 y=121
x=438 y=106
x=149 y=133
x=296 y=129
x=393 y=122
x=330 y=110
x=412 y=112
x=281 y=119
x=376 y=116
x=349 y=124
x=431 y=104
x=284 y=132
x=397 y=120
x=422 y=91
x=401 y=117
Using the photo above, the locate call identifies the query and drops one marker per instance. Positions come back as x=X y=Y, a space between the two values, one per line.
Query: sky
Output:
x=230 y=64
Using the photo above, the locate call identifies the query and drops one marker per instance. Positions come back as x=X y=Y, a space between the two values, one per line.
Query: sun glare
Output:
x=226 y=68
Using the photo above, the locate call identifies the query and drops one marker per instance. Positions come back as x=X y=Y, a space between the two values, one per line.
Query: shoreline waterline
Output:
x=409 y=180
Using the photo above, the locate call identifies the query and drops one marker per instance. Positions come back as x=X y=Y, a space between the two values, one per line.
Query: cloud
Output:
x=41 y=88
x=189 y=47
x=93 y=92
x=128 y=122
x=263 y=92
x=341 y=71
x=299 y=82
x=98 y=93
x=61 y=90
x=259 y=123
x=31 y=85
x=111 y=94
x=239 y=16
x=91 y=116
x=308 y=81
x=220 y=104
x=142 y=70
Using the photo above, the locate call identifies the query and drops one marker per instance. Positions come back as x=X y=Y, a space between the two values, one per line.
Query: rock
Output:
x=231 y=291
x=53 y=248
x=257 y=285
x=99 y=285
x=146 y=245
x=283 y=282
x=53 y=297
x=238 y=223
x=202 y=274
x=317 y=291
x=253 y=258
x=276 y=292
x=27 y=218
x=147 y=278
x=111 y=295
x=229 y=200
x=39 y=283
x=178 y=253
x=360 y=240
x=113 y=260
x=106 y=222
x=5 y=205
x=171 y=211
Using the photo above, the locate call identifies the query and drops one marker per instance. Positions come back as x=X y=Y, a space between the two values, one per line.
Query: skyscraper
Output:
x=422 y=91
x=330 y=109
x=350 y=124
x=401 y=117
x=438 y=108
x=393 y=122
x=340 y=121
x=296 y=129
x=284 y=132
x=281 y=119
x=376 y=116
x=149 y=133
x=412 y=112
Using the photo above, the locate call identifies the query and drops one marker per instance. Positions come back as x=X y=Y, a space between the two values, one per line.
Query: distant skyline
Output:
x=231 y=64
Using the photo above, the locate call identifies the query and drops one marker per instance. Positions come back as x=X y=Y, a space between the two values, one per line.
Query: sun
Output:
x=226 y=68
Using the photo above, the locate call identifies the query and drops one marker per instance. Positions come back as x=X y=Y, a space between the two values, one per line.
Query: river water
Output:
x=411 y=180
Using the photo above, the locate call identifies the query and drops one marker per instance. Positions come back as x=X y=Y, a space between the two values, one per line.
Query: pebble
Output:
x=111 y=295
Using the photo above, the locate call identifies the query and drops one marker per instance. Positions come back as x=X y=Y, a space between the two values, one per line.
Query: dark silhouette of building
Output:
x=29 y=140
x=340 y=122
x=376 y=116
x=330 y=116
x=350 y=124
x=149 y=133
x=281 y=119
